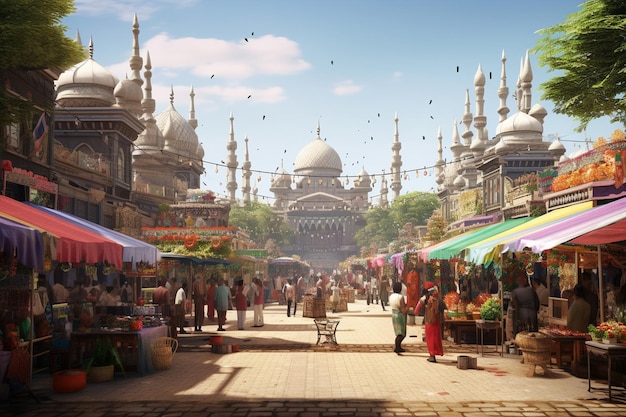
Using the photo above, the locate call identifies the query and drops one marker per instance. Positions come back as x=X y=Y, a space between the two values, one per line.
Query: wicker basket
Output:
x=163 y=350
x=101 y=373
x=533 y=341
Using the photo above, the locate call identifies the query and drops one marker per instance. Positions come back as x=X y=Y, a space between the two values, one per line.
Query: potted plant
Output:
x=100 y=367
x=491 y=310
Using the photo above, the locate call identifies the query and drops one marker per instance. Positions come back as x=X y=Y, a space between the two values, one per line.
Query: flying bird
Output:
x=263 y=117
x=423 y=137
x=285 y=151
x=245 y=39
x=457 y=68
x=252 y=34
x=250 y=96
x=378 y=114
x=222 y=162
x=332 y=62
x=489 y=74
x=213 y=75
x=430 y=102
x=432 y=117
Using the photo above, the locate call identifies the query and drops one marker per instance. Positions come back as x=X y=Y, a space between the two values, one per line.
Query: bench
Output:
x=326 y=328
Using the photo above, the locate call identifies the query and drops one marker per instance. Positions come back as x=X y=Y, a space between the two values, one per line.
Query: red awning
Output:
x=74 y=243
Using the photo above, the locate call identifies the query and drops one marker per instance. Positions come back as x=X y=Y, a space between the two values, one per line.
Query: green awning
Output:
x=454 y=247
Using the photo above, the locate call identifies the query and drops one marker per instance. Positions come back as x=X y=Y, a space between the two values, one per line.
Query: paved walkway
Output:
x=279 y=371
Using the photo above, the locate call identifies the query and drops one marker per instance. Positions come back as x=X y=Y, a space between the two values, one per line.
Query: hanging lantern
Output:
x=217 y=168
x=425 y=173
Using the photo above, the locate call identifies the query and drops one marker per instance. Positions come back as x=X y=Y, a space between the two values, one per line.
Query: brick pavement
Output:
x=280 y=372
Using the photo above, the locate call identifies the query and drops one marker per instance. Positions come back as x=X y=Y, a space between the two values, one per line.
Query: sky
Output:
x=281 y=67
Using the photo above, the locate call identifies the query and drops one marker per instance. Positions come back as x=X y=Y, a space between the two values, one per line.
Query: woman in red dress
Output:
x=432 y=320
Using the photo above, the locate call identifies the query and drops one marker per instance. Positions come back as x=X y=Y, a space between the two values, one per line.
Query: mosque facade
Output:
x=477 y=184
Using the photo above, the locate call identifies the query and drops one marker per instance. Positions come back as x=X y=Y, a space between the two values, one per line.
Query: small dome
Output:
x=557 y=146
x=538 y=112
x=282 y=179
x=180 y=138
x=318 y=158
x=128 y=94
x=501 y=147
x=459 y=182
x=86 y=84
x=519 y=122
x=364 y=178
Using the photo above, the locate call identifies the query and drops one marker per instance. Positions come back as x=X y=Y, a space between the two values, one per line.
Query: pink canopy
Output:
x=73 y=243
x=601 y=224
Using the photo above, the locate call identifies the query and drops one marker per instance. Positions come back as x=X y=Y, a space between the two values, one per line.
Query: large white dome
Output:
x=86 y=84
x=318 y=158
x=180 y=138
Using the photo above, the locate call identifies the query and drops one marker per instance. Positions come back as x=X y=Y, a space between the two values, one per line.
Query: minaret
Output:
x=396 y=162
x=246 y=175
x=456 y=147
x=384 y=202
x=526 y=84
x=136 y=62
x=480 y=120
x=503 y=92
x=518 y=87
x=192 y=110
x=440 y=162
x=231 y=163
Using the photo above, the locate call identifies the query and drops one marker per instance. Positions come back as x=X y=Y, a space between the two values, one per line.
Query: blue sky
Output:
x=350 y=65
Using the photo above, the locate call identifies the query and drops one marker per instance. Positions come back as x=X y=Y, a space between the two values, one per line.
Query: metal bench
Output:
x=326 y=328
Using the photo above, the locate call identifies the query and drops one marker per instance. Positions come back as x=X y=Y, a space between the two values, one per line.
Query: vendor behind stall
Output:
x=578 y=312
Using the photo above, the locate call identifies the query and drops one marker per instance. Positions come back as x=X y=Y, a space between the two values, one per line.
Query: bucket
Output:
x=216 y=340
x=465 y=362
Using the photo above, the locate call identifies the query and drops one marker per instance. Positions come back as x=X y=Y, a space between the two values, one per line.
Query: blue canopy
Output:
x=25 y=241
x=134 y=250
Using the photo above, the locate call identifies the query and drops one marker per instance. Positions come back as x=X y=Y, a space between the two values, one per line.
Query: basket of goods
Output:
x=491 y=309
x=163 y=350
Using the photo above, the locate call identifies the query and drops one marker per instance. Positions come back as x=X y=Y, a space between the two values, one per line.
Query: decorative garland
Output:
x=190 y=241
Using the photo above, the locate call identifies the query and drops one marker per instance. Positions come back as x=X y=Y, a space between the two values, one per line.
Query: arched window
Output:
x=121 y=165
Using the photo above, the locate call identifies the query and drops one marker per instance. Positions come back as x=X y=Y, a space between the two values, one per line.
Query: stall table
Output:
x=463 y=331
x=133 y=346
x=483 y=326
x=566 y=348
x=611 y=351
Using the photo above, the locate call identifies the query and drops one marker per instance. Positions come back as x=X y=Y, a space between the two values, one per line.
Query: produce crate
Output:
x=314 y=307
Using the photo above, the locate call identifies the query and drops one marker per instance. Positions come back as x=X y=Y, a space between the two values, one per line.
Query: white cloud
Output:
x=125 y=9
x=225 y=60
x=347 y=87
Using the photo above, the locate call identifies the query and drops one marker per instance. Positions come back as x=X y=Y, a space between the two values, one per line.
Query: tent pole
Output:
x=601 y=284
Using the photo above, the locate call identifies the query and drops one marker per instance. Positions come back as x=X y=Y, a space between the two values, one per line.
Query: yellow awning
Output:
x=488 y=249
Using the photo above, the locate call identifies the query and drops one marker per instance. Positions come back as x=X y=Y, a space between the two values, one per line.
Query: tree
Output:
x=436 y=229
x=33 y=38
x=589 y=50
x=385 y=226
x=261 y=223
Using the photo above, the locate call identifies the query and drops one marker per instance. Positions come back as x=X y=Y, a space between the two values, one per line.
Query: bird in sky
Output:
x=250 y=96
x=432 y=117
x=213 y=75
x=457 y=68
x=245 y=39
x=430 y=102
x=332 y=62
x=263 y=117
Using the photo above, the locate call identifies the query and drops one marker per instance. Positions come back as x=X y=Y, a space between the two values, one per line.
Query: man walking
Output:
x=222 y=296
x=199 y=297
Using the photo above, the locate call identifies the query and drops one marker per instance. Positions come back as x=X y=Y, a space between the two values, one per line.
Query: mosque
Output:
x=117 y=164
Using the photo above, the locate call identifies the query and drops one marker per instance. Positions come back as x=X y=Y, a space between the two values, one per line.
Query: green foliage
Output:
x=385 y=226
x=261 y=224
x=105 y=354
x=436 y=229
x=33 y=38
x=588 y=50
x=491 y=309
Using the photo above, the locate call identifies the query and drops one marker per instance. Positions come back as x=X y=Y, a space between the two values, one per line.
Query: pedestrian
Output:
x=199 y=299
x=222 y=297
x=161 y=297
x=578 y=312
x=433 y=311
x=399 y=310
x=542 y=294
x=210 y=300
x=384 y=291
x=290 y=295
x=241 y=304
x=525 y=302
x=259 y=294
x=179 y=307
x=59 y=292
x=336 y=295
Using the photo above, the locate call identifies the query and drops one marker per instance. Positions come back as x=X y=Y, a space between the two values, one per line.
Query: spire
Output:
x=396 y=161
x=91 y=47
x=246 y=175
x=77 y=39
x=440 y=162
x=172 y=95
x=148 y=104
x=518 y=87
x=192 y=110
x=467 y=122
x=384 y=203
x=136 y=62
x=456 y=147
x=318 y=130
x=231 y=163
x=526 y=77
x=480 y=120
x=503 y=92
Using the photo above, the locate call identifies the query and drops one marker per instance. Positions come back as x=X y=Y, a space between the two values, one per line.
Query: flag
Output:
x=40 y=133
